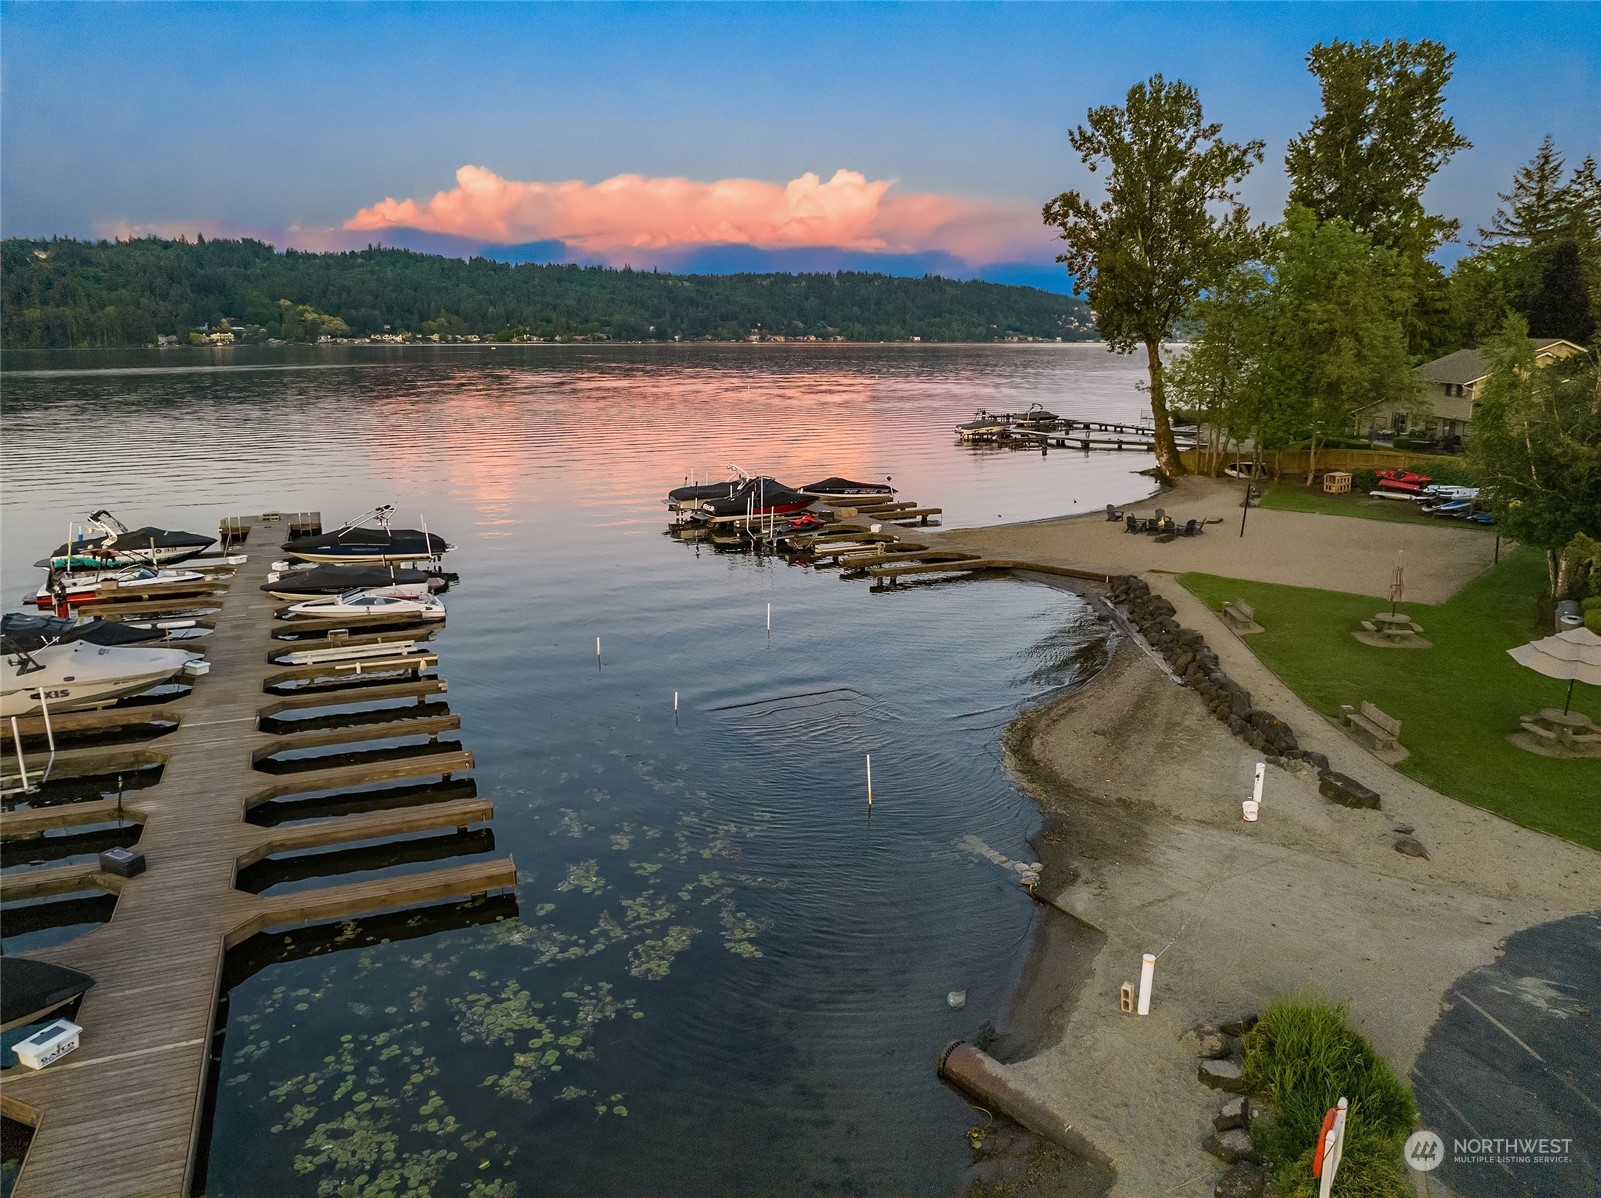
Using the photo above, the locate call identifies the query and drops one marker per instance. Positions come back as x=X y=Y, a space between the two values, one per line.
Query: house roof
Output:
x=1470 y=365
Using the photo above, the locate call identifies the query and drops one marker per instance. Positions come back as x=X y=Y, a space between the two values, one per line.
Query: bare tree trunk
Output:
x=1167 y=452
x=1553 y=571
x=1311 y=461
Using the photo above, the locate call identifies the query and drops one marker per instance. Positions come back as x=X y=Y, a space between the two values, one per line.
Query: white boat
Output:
x=72 y=675
x=1404 y=495
x=80 y=586
x=983 y=427
x=378 y=601
x=1246 y=469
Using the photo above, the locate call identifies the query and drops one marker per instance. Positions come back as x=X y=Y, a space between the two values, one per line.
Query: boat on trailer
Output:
x=369 y=539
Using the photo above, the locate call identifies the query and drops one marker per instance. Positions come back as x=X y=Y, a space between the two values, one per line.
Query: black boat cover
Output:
x=723 y=490
x=844 y=486
x=35 y=632
x=760 y=495
x=336 y=579
x=136 y=540
x=30 y=989
x=355 y=541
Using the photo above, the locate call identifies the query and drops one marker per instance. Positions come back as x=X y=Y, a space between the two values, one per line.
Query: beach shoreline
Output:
x=1144 y=850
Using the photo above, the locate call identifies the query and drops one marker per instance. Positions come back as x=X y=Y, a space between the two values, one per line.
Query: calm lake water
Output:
x=720 y=976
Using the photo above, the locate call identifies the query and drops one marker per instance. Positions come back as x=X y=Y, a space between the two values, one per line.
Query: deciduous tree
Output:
x=1171 y=223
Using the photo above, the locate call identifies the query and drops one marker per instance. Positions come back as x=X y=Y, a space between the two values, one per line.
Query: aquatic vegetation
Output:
x=583 y=876
x=491 y=1018
x=653 y=959
x=739 y=930
x=646 y=910
x=570 y=825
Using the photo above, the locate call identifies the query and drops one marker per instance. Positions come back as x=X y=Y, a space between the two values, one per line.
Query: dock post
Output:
x=869 y=781
x=1147 y=973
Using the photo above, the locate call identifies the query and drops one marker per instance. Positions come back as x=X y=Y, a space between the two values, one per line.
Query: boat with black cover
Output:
x=30 y=990
x=844 y=488
x=369 y=539
x=336 y=580
x=34 y=632
x=756 y=497
x=108 y=542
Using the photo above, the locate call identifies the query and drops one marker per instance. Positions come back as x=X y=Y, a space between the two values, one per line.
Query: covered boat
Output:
x=1036 y=417
x=33 y=632
x=369 y=539
x=72 y=675
x=757 y=497
x=108 y=542
x=982 y=426
x=336 y=580
x=30 y=990
x=377 y=601
x=82 y=586
x=836 y=488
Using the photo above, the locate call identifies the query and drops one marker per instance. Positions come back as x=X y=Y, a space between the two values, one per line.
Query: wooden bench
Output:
x=1371 y=724
x=1241 y=615
x=1369 y=626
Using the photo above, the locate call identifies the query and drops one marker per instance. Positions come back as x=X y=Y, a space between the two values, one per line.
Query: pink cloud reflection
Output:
x=632 y=212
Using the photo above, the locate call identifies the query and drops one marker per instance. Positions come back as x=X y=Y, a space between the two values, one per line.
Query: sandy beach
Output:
x=1144 y=847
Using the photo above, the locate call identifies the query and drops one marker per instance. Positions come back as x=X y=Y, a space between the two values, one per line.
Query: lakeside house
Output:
x=1449 y=394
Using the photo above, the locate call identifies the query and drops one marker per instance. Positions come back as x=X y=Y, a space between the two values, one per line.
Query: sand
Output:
x=1337 y=553
x=1145 y=847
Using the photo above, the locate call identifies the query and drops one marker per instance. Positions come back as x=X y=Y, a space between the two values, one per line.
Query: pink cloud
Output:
x=632 y=212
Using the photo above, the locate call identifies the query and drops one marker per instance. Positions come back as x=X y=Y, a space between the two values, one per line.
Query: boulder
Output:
x=1243 y=1180
x=1206 y=1041
x=1347 y=792
x=1238 y=1027
x=1230 y=1115
x=1313 y=758
x=1230 y=1146
x=1221 y=1075
x=1410 y=846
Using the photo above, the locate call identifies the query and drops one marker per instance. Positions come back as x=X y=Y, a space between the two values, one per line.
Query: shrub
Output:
x=1593 y=603
x=1363 y=481
x=1592 y=620
x=1303 y=1057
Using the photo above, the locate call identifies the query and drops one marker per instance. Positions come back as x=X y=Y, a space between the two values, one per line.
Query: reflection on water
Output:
x=722 y=975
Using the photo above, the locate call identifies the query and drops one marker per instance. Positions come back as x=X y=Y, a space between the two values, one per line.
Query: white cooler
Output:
x=50 y=1043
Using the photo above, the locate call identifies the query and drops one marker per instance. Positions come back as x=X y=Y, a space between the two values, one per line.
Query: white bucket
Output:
x=1250 y=807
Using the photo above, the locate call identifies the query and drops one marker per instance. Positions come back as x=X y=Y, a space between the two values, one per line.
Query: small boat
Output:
x=691 y=495
x=1401 y=495
x=1035 y=417
x=1403 y=476
x=756 y=497
x=335 y=580
x=1401 y=487
x=30 y=990
x=73 y=675
x=34 y=632
x=1442 y=492
x=844 y=488
x=376 y=601
x=118 y=545
x=982 y=427
x=1246 y=470
x=369 y=539
x=80 y=587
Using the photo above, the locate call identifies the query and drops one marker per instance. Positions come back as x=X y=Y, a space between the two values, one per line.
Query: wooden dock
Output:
x=122 y=1115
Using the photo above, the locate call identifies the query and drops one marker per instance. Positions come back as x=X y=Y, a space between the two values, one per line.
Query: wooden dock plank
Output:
x=122 y=1115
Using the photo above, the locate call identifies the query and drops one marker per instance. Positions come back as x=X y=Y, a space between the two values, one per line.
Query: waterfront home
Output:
x=1449 y=394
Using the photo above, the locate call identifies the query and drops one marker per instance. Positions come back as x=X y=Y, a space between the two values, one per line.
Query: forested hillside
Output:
x=63 y=293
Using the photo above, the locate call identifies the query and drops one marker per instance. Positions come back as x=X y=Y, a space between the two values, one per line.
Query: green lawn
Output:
x=1456 y=702
x=1286 y=497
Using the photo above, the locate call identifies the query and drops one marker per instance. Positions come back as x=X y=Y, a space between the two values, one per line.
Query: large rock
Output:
x=1347 y=792
x=1230 y=1115
x=1243 y=1180
x=1207 y=1042
x=1221 y=1075
x=1238 y=1027
x=1230 y=1146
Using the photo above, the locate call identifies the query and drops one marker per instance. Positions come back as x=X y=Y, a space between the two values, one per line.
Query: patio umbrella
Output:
x=1574 y=655
x=1397 y=583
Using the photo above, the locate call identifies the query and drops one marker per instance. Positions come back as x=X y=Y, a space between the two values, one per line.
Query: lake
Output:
x=720 y=975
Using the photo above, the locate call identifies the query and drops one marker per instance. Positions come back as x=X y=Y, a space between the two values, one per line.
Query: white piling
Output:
x=597 y=651
x=22 y=765
x=869 y=781
x=1147 y=972
x=675 y=702
x=1261 y=775
x=769 y=617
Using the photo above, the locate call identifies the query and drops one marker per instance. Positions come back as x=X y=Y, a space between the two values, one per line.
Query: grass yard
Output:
x=1286 y=497
x=1456 y=702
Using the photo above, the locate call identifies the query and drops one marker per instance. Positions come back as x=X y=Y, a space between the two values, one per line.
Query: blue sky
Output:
x=270 y=117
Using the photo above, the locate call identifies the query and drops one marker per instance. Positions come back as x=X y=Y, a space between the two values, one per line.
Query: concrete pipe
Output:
x=996 y=1088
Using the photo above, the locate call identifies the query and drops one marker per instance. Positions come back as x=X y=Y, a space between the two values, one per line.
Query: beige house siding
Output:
x=1449 y=393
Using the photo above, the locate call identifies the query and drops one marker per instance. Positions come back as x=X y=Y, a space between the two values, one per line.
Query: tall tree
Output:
x=1330 y=343
x=1560 y=305
x=1382 y=135
x=1170 y=225
x=1212 y=375
x=1537 y=447
x=1534 y=210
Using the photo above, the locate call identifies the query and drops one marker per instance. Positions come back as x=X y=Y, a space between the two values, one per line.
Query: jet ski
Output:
x=369 y=539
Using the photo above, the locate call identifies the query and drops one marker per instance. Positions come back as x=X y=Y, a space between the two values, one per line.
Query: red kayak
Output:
x=1395 y=484
x=1403 y=476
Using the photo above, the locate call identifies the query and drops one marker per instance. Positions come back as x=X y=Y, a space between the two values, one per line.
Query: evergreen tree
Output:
x=1560 y=306
x=1536 y=207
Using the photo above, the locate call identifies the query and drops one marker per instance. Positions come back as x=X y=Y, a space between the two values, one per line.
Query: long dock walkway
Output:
x=122 y=1115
